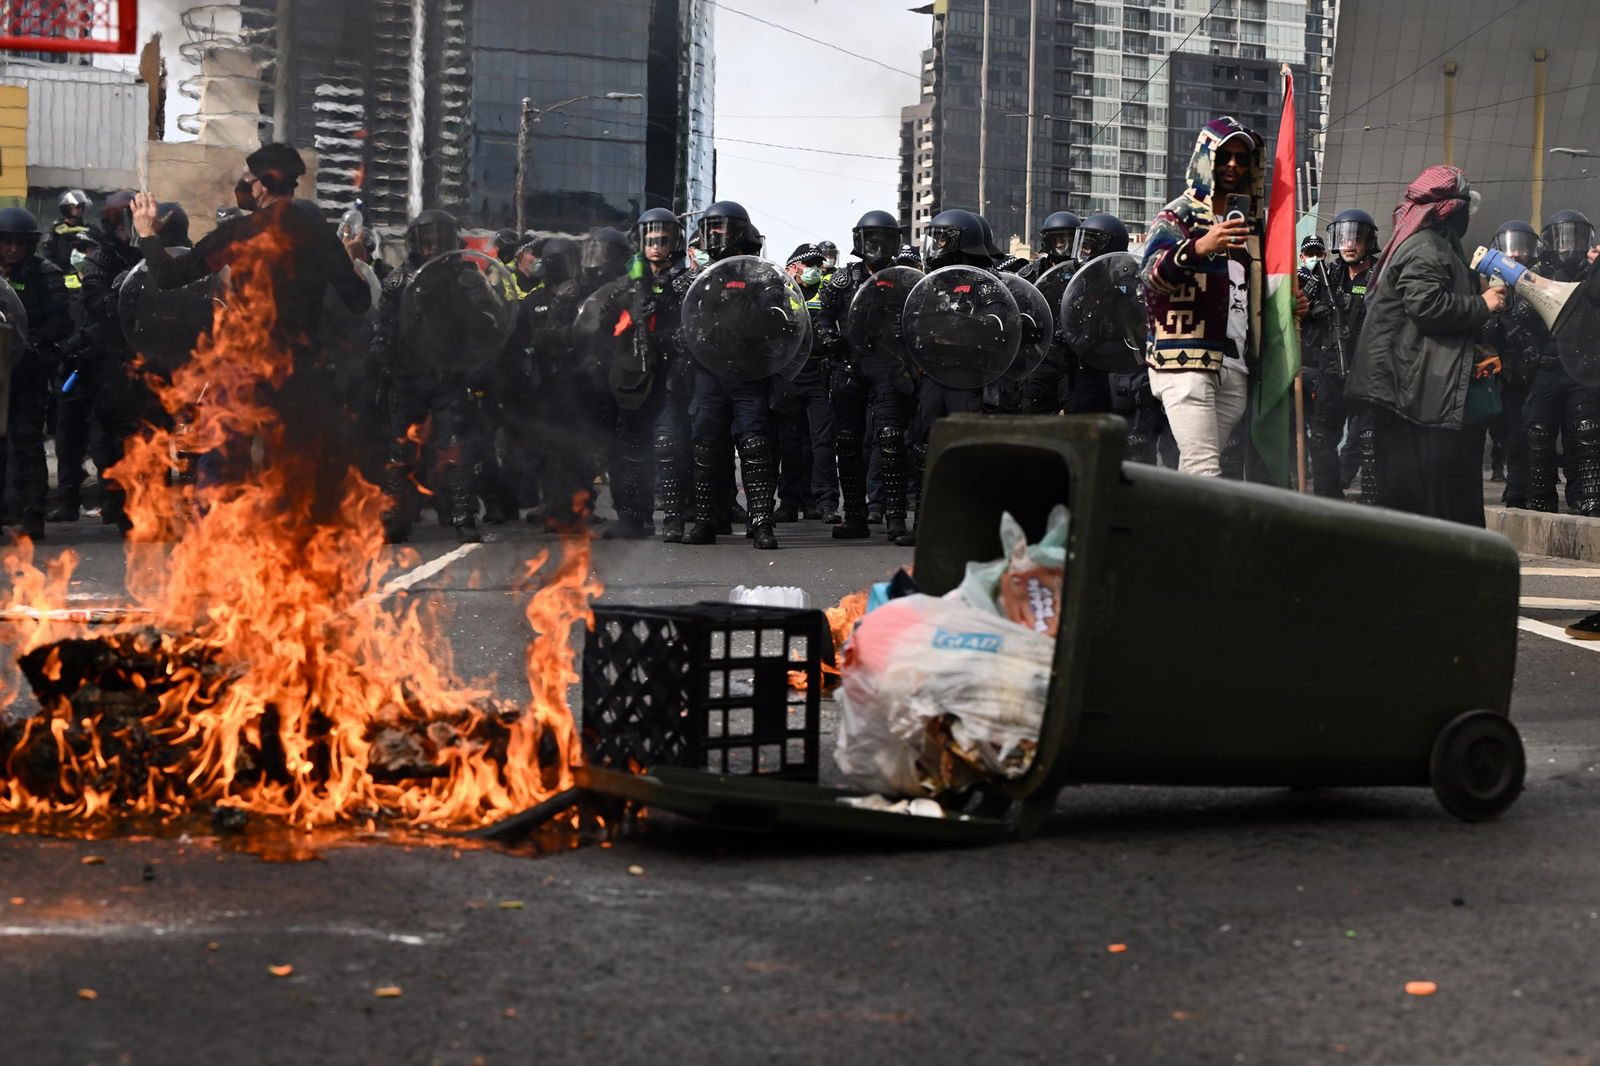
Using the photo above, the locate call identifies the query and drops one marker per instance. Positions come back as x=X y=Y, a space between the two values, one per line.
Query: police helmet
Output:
x=74 y=202
x=506 y=243
x=951 y=236
x=1353 y=227
x=1567 y=237
x=432 y=233
x=658 y=225
x=830 y=252
x=1518 y=240
x=174 y=223
x=560 y=258
x=605 y=255
x=874 y=238
x=1097 y=235
x=724 y=229
x=995 y=254
x=117 y=213
x=15 y=222
x=1055 y=236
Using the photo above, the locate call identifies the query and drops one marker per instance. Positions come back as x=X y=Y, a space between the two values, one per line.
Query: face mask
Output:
x=701 y=259
x=810 y=275
x=78 y=259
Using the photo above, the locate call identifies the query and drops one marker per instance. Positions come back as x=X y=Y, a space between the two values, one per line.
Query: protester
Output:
x=1414 y=365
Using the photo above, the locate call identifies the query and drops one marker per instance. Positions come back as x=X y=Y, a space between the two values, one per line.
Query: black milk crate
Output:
x=705 y=686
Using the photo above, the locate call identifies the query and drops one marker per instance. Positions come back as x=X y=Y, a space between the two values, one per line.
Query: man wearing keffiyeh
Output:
x=1415 y=359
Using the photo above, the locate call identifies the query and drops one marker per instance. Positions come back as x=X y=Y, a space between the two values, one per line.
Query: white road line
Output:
x=1560 y=571
x=1557 y=603
x=420 y=573
x=1545 y=629
x=137 y=930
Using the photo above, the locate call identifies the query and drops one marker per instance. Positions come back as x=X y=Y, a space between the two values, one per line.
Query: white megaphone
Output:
x=1551 y=299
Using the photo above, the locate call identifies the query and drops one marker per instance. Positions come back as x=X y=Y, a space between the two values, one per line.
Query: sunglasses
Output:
x=1241 y=158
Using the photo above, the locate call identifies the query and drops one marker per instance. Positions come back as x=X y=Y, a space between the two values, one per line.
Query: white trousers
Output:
x=1202 y=407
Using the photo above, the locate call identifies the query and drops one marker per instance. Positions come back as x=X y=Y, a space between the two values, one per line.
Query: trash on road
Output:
x=281 y=971
x=1421 y=988
x=770 y=596
x=388 y=991
x=940 y=693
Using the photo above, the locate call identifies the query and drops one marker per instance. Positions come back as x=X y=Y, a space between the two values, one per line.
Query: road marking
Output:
x=1545 y=629
x=1556 y=603
x=1560 y=571
x=420 y=573
x=128 y=930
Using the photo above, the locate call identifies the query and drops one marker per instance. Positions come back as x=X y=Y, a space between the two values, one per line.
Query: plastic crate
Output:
x=705 y=686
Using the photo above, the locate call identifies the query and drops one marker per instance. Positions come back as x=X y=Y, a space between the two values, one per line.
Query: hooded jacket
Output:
x=1185 y=294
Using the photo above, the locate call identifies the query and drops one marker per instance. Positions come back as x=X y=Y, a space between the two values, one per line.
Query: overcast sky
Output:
x=780 y=89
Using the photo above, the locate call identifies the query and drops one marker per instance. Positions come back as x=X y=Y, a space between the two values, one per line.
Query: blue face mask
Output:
x=78 y=259
x=810 y=275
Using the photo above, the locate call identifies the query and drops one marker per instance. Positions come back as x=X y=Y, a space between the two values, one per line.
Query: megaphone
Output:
x=1571 y=309
x=1551 y=299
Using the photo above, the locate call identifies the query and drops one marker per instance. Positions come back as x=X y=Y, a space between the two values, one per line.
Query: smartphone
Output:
x=1238 y=207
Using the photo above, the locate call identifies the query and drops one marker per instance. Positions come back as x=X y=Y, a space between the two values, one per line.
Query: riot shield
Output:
x=1038 y=326
x=1052 y=284
x=164 y=325
x=457 y=311
x=13 y=313
x=872 y=326
x=745 y=319
x=1102 y=313
x=603 y=326
x=1578 y=332
x=962 y=327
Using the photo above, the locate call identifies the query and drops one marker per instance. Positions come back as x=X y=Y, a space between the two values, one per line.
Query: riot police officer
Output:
x=41 y=288
x=1336 y=295
x=1557 y=403
x=421 y=390
x=807 y=480
x=725 y=406
x=1090 y=390
x=650 y=385
x=857 y=387
x=557 y=428
x=64 y=234
x=1055 y=245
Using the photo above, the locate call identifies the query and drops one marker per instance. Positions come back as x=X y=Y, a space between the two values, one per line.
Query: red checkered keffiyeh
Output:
x=1438 y=193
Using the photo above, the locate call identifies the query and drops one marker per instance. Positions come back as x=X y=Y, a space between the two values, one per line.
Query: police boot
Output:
x=892 y=474
x=919 y=462
x=1586 y=466
x=758 y=462
x=1369 y=465
x=68 y=507
x=707 y=489
x=852 y=486
x=459 y=479
x=1516 y=491
x=1542 y=468
x=670 y=473
x=396 y=531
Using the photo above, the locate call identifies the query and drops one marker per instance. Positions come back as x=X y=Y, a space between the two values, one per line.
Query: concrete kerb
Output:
x=1561 y=536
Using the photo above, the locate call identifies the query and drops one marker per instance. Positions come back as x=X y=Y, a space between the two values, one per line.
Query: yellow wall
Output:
x=13 y=144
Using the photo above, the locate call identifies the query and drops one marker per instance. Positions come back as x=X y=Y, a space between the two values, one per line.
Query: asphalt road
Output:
x=1257 y=925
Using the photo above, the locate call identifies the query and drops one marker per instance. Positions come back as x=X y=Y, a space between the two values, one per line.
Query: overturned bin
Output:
x=1199 y=642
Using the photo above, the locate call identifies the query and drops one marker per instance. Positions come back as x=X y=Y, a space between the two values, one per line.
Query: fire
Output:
x=842 y=618
x=270 y=677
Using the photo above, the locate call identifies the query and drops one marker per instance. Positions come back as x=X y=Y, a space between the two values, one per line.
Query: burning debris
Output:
x=266 y=677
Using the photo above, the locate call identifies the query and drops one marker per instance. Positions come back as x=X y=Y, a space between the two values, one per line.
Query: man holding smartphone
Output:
x=1204 y=292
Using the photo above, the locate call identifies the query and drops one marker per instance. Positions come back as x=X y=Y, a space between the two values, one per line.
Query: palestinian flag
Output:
x=1272 y=425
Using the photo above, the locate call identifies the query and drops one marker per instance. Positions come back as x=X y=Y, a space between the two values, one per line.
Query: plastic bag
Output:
x=937 y=695
x=1023 y=585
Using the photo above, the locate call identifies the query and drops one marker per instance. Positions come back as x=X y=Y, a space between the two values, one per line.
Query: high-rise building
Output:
x=1034 y=106
x=412 y=105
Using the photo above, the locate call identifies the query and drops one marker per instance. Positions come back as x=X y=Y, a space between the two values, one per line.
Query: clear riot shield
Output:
x=1577 y=332
x=603 y=326
x=962 y=327
x=872 y=326
x=745 y=319
x=13 y=339
x=164 y=325
x=1052 y=284
x=1038 y=325
x=457 y=311
x=1102 y=313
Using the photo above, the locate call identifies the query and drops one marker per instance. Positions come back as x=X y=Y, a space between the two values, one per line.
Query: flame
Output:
x=271 y=678
x=842 y=618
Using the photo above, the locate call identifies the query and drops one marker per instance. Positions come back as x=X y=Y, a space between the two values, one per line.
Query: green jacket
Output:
x=1415 y=355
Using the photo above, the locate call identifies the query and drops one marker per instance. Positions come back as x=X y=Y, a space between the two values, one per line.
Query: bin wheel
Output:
x=1477 y=765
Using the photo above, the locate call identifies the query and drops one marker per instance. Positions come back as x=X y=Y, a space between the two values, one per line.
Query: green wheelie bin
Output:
x=1199 y=642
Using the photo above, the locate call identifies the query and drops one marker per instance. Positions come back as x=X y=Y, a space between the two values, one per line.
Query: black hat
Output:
x=1313 y=241
x=278 y=166
x=807 y=255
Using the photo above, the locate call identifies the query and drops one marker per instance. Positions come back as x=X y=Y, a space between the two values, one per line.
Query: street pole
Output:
x=522 y=165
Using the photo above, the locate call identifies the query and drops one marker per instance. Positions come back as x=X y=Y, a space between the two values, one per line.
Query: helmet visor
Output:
x=1569 y=239
x=941 y=242
x=1057 y=243
x=1351 y=238
x=1088 y=243
x=428 y=239
x=1518 y=244
x=718 y=233
x=878 y=245
x=668 y=235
